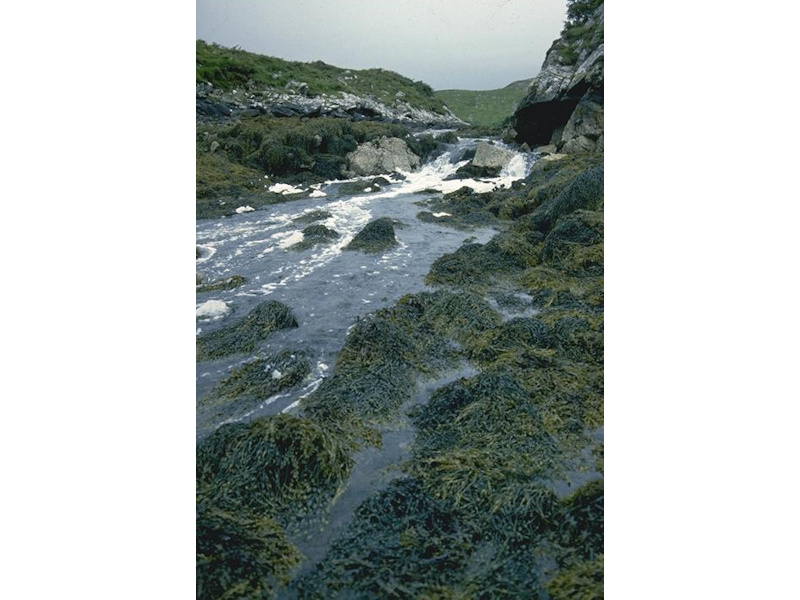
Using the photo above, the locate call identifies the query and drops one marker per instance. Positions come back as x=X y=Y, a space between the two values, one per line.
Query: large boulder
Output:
x=384 y=155
x=489 y=155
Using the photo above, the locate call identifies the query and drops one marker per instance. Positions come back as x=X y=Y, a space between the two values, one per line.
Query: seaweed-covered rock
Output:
x=521 y=341
x=229 y=283
x=582 y=520
x=281 y=466
x=373 y=376
x=377 y=236
x=584 y=581
x=313 y=235
x=584 y=192
x=476 y=264
x=257 y=380
x=352 y=188
x=401 y=544
x=312 y=216
x=241 y=556
x=576 y=244
x=243 y=336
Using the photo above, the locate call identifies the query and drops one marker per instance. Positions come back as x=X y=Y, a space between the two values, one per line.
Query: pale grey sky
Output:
x=467 y=44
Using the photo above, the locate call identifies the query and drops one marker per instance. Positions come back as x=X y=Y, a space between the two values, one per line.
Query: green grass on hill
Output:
x=228 y=68
x=486 y=108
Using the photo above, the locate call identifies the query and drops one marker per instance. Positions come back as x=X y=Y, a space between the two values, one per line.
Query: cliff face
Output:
x=564 y=105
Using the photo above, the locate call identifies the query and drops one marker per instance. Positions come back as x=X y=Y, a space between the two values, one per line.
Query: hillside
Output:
x=253 y=81
x=487 y=108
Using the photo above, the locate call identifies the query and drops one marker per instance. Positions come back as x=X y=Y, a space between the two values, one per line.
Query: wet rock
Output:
x=491 y=156
x=549 y=149
x=314 y=215
x=229 y=283
x=377 y=236
x=384 y=155
x=313 y=235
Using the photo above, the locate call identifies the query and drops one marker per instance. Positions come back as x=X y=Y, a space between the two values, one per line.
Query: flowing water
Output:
x=326 y=287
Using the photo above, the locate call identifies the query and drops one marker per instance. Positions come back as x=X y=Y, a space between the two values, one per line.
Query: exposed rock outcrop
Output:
x=384 y=155
x=214 y=105
x=564 y=106
x=492 y=156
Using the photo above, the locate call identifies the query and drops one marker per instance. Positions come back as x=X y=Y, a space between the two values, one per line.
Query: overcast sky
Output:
x=467 y=44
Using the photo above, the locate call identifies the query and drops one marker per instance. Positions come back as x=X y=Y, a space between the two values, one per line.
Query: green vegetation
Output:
x=377 y=236
x=484 y=108
x=579 y=11
x=228 y=68
x=243 y=336
x=577 y=33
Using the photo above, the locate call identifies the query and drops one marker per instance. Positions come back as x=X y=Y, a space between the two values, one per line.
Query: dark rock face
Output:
x=377 y=236
x=564 y=106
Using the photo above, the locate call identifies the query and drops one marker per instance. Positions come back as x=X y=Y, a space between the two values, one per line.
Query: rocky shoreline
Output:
x=498 y=492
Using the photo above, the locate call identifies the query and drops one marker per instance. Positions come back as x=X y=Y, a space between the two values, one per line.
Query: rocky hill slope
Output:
x=564 y=105
x=232 y=83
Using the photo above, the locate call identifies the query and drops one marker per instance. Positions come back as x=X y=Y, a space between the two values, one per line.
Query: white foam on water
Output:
x=211 y=252
x=212 y=310
x=285 y=188
x=290 y=239
x=317 y=194
x=244 y=209
x=312 y=387
x=439 y=215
